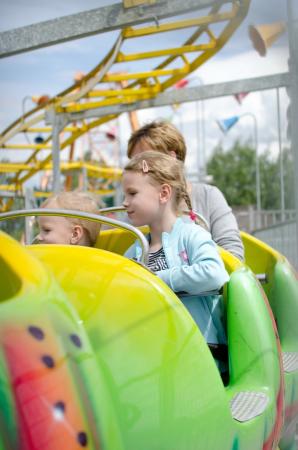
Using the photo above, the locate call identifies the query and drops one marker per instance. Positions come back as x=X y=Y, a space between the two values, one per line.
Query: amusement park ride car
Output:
x=97 y=352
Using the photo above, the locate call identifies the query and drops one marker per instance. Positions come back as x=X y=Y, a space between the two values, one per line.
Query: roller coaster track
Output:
x=208 y=30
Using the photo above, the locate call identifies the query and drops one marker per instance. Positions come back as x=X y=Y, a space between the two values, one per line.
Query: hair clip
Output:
x=192 y=215
x=145 y=167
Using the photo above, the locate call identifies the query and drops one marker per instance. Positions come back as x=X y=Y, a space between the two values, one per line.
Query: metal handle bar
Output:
x=82 y=215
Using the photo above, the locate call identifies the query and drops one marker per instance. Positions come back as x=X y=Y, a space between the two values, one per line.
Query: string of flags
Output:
x=224 y=124
x=240 y=96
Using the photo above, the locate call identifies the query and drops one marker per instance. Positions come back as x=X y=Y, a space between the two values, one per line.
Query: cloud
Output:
x=13 y=15
x=244 y=65
x=51 y=70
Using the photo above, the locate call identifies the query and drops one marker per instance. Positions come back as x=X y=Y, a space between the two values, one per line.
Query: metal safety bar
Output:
x=83 y=215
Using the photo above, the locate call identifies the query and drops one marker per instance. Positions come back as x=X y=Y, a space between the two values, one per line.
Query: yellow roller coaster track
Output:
x=206 y=33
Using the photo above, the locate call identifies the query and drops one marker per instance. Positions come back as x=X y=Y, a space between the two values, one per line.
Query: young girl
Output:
x=68 y=230
x=181 y=253
x=207 y=200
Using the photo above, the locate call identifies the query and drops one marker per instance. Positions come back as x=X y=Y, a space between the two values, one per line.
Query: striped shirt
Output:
x=157 y=261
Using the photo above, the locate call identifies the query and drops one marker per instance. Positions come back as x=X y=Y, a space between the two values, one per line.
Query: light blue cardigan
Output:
x=196 y=273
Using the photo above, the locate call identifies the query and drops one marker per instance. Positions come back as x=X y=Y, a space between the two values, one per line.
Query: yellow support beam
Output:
x=189 y=23
x=27 y=147
x=107 y=102
x=69 y=129
x=142 y=75
x=166 y=52
x=41 y=194
x=44 y=194
x=132 y=3
x=20 y=178
x=153 y=90
x=12 y=167
x=9 y=187
x=102 y=83
x=104 y=172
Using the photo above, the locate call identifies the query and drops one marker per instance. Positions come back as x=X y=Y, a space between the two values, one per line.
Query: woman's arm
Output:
x=223 y=225
x=210 y=202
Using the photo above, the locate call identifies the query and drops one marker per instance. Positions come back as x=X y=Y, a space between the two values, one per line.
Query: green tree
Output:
x=289 y=182
x=234 y=173
x=269 y=180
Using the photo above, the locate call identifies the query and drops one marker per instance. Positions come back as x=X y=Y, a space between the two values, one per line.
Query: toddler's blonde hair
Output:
x=80 y=201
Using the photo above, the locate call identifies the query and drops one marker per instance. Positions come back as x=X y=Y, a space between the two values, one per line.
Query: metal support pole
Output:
x=58 y=122
x=258 y=183
x=56 y=155
x=293 y=69
x=200 y=127
x=27 y=97
x=180 y=116
x=203 y=134
x=198 y=136
x=84 y=179
x=118 y=128
x=29 y=220
x=281 y=163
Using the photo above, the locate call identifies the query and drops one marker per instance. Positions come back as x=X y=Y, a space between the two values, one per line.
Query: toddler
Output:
x=68 y=230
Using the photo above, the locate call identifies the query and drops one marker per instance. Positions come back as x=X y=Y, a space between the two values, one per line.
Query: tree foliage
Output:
x=234 y=173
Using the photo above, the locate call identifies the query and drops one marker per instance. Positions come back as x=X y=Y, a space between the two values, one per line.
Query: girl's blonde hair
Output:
x=80 y=201
x=163 y=169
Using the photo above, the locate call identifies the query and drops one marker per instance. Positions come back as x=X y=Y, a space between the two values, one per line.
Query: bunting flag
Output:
x=111 y=134
x=181 y=83
x=175 y=106
x=40 y=99
x=240 y=96
x=226 y=124
x=39 y=139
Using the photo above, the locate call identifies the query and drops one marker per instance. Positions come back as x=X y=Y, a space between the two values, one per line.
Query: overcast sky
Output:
x=51 y=69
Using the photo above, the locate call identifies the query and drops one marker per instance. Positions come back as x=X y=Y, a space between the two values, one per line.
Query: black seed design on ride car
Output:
x=48 y=361
x=75 y=339
x=60 y=407
x=82 y=438
x=36 y=332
